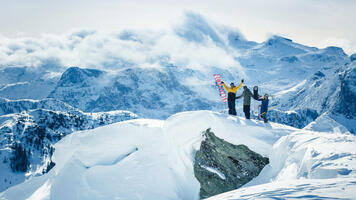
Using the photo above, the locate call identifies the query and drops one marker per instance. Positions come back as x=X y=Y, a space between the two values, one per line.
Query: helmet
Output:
x=232 y=84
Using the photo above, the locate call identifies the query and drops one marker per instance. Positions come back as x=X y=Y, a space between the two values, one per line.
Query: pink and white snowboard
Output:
x=221 y=89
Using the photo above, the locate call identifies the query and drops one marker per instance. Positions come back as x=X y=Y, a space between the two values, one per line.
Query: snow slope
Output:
x=153 y=159
x=34 y=129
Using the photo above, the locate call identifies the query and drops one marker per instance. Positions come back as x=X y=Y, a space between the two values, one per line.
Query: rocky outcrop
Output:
x=346 y=103
x=221 y=166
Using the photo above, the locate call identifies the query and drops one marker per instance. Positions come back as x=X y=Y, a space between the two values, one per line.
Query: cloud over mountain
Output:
x=195 y=42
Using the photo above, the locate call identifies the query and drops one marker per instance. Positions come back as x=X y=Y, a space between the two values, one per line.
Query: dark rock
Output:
x=346 y=103
x=318 y=75
x=290 y=59
x=221 y=166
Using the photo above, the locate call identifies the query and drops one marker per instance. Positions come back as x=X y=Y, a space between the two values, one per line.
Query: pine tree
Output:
x=19 y=160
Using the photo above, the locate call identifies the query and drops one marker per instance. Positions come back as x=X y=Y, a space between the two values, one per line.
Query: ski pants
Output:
x=264 y=117
x=247 y=111
x=231 y=104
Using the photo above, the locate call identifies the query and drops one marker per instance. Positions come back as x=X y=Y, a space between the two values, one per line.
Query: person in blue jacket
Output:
x=264 y=107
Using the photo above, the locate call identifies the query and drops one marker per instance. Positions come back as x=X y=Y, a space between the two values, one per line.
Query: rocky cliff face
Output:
x=146 y=92
x=346 y=103
x=221 y=166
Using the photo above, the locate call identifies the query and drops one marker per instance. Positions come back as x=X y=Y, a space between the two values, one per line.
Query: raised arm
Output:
x=239 y=86
x=225 y=86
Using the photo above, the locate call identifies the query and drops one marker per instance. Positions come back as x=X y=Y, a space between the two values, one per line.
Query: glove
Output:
x=242 y=80
x=222 y=82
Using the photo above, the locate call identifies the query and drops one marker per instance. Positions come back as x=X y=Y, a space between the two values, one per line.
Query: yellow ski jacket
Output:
x=232 y=89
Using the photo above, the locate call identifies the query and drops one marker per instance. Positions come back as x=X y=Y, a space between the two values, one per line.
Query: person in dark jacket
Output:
x=264 y=107
x=231 y=95
x=247 y=94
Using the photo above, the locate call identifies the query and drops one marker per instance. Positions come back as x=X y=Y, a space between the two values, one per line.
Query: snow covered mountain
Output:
x=29 y=129
x=27 y=82
x=17 y=106
x=147 y=92
x=156 y=74
x=328 y=92
x=306 y=83
x=153 y=159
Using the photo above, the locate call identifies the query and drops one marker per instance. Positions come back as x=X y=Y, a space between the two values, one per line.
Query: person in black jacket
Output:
x=247 y=94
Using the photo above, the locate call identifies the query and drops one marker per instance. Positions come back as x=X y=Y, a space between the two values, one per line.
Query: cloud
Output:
x=129 y=48
x=196 y=28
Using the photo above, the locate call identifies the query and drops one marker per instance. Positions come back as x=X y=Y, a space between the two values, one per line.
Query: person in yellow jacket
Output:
x=231 y=95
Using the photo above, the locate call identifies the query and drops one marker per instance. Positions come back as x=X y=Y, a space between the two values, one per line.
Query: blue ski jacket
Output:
x=264 y=106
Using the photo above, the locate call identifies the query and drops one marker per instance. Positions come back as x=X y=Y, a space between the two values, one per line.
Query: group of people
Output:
x=246 y=94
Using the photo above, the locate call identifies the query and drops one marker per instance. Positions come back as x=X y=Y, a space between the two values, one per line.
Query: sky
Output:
x=317 y=23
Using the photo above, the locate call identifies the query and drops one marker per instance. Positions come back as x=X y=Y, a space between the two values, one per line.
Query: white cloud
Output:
x=112 y=51
x=204 y=49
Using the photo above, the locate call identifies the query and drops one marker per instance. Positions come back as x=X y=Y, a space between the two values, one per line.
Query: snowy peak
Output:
x=78 y=87
x=281 y=47
x=335 y=51
x=275 y=40
x=78 y=76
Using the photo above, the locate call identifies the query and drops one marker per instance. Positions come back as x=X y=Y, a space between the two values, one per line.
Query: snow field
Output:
x=153 y=159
